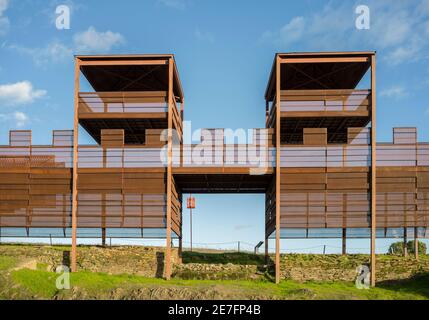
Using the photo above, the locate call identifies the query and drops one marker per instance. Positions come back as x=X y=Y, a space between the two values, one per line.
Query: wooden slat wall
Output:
x=270 y=209
x=402 y=182
x=35 y=183
x=20 y=138
x=333 y=192
x=112 y=137
x=176 y=212
x=63 y=138
x=325 y=100
x=325 y=187
x=153 y=138
x=123 y=102
x=121 y=198
x=315 y=136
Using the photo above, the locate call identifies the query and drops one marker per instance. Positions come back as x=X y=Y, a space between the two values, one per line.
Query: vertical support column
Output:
x=74 y=169
x=416 y=243
x=344 y=243
x=169 y=173
x=266 y=249
x=180 y=248
x=405 y=242
x=278 y=97
x=182 y=109
x=373 y=169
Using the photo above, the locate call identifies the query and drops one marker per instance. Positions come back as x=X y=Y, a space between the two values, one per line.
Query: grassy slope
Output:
x=26 y=283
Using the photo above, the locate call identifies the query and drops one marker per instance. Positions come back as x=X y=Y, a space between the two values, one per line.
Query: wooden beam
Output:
x=122 y=62
x=277 y=259
x=373 y=170
x=169 y=169
x=324 y=60
x=75 y=164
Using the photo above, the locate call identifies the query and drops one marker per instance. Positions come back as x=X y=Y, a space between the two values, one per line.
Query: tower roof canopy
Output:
x=147 y=72
x=318 y=70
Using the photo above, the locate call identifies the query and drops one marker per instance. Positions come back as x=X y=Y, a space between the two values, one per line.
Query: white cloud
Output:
x=288 y=34
x=19 y=119
x=393 y=92
x=86 y=42
x=398 y=29
x=91 y=41
x=53 y=52
x=4 y=21
x=204 y=36
x=175 y=4
x=242 y=227
x=19 y=93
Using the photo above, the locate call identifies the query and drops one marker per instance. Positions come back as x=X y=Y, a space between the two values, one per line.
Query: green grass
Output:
x=16 y=282
x=7 y=262
x=42 y=284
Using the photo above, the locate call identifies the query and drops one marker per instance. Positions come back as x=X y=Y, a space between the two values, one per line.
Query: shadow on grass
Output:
x=417 y=284
x=237 y=258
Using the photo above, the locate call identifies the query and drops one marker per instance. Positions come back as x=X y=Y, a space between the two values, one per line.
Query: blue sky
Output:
x=224 y=51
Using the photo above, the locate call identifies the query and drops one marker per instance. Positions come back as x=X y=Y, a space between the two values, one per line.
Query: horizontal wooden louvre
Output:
x=123 y=102
x=324 y=100
x=62 y=138
x=112 y=137
x=358 y=136
x=404 y=135
x=155 y=138
x=20 y=138
x=315 y=136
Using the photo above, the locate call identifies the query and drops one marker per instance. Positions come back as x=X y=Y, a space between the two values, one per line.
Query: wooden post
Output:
x=74 y=169
x=344 y=243
x=180 y=248
x=103 y=237
x=405 y=242
x=416 y=243
x=373 y=169
x=278 y=114
x=266 y=250
x=169 y=173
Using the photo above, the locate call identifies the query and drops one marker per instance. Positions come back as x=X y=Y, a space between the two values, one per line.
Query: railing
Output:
x=190 y=156
x=388 y=155
x=123 y=102
x=36 y=157
x=324 y=100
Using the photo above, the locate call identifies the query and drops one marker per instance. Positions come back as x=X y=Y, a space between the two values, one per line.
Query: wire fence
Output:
x=228 y=246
